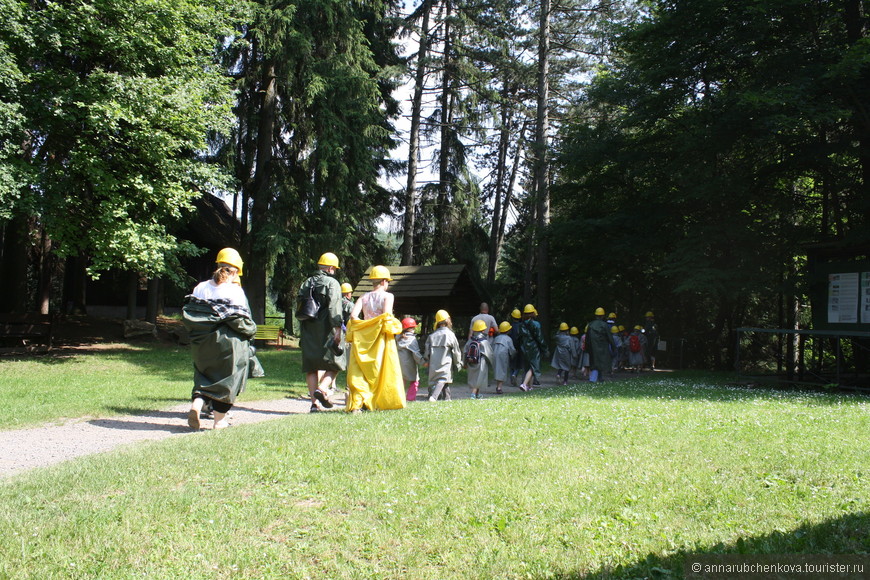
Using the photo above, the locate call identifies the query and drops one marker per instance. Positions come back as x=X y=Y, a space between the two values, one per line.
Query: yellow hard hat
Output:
x=649 y=314
x=599 y=311
x=529 y=309
x=611 y=315
x=346 y=288
x=563 y=326
x=516 y=314
x=478 y=326
x=440 y=317
x=505 y=326
x=575 y=330
x=328 y=259
x=379 y=273
x=614 y=329
x=230 y=256
x=638 y=327
x=621 y=328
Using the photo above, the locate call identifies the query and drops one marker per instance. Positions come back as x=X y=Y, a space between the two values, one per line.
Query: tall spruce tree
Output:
x=313 y=137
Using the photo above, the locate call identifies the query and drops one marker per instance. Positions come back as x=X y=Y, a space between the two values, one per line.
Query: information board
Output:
x=843 y=297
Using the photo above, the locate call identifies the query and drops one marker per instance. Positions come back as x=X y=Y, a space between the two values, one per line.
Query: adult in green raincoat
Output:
x=322 y=354
x=598 y=341
x=218 y=319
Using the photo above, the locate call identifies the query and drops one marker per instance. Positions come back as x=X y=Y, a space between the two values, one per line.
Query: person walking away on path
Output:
x=441 y=355
x=320 y=341
x=651 y=332
x=486 y=317
x=584 y=352
x=410 y=357
x=622 y=353
x=562 y=354
x=503 y=352
x=611 y=321
x=218 y=319
x=598 y=342
x=374 y=375
x=518 y=365
x=346 y=302
x=636 y=348
x=576 y=351
x=478 y=358
x=346 y=308
x=533 y=346
x=617 y=346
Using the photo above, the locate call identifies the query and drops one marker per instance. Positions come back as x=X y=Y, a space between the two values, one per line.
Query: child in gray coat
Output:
x=441 y=355
x=478 y=358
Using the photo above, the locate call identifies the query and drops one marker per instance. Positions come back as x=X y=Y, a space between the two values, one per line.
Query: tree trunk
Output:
x=153 y=300
x=506 y=204
x=46 y=262
x=856 y=32
x=414 y=140
x=542 y=173
x=444 y=179
x=531 y=255
x=501 y=169
x=255 y=258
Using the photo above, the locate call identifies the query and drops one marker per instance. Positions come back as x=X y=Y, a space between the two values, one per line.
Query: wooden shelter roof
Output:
x=422 y=290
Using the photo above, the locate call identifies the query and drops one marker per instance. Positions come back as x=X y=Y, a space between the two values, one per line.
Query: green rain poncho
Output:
x=219 y=338
x=317 y=334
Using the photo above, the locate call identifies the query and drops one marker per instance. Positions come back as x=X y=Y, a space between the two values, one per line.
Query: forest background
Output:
x=671 y=156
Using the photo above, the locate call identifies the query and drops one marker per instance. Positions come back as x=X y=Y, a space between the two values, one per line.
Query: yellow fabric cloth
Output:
x=374 y=375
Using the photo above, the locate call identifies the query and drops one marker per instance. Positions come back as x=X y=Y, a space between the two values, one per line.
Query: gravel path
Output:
x=25 y=449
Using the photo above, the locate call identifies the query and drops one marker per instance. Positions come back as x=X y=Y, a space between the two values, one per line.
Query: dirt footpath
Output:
x=25 y=449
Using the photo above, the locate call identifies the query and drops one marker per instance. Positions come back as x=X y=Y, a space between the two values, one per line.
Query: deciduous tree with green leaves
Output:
x=111 y=104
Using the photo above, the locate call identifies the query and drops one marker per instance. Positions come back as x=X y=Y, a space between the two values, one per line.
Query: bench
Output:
x=26 y=332
x=268 y=334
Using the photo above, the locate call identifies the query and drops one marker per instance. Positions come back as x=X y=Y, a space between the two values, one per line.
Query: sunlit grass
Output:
x=621 y=479
x=125 y=380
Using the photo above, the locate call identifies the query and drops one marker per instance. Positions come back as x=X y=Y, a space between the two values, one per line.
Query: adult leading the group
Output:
x=320 y=339
x=485 y=316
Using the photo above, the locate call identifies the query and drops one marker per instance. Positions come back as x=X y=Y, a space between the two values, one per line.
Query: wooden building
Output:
x=422 y=290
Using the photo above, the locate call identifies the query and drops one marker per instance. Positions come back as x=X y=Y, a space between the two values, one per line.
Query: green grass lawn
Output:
x=622 y=479
x=126 y=380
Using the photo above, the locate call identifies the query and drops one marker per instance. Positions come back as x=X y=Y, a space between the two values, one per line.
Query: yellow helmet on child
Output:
x=575 y=330
x=230 y=256
x=478 y=326
x=614 y=329
x=328 y=259
x=516 y=314
x=379 y=273
x=563 y=326
x=529 y=309
x=505 y=326
x=440 y=317
x=599 y=311
x=649 y=314
x=346 y=288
